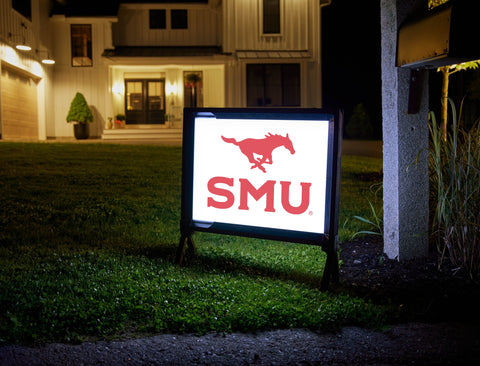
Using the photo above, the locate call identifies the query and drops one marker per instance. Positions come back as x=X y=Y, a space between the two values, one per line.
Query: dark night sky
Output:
x=351 y=57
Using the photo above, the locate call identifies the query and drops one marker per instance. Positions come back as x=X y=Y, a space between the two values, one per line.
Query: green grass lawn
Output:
x=88 y=234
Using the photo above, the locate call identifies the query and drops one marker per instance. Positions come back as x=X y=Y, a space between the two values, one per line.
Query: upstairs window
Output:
x=81 y=44
x=24 y=7
x=158 y=19
x=179 y=19
x=271 y=17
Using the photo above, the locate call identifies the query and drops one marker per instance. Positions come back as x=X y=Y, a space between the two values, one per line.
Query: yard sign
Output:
x=266 y=173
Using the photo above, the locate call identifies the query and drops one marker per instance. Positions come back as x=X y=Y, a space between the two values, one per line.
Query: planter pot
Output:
x=81 y=131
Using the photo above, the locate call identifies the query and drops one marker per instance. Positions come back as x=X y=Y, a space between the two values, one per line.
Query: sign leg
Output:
x=185 y=245
x=331 y=271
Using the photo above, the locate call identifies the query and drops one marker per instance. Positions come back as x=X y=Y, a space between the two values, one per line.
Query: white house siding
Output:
x=234 y=25
x=204 y=29
x=133 y=26
x=15 y=28
x=242 y=26
x=214 y=87
x=299 y=42
x=91 y=81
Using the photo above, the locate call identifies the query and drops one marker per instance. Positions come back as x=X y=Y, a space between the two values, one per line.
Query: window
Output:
x=24 y=7
x=158 y=19
x=179 y=19
x=81 y=44
x=271 y=16
x=273 y=85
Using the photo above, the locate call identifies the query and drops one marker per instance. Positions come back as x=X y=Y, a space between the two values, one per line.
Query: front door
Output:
x=145 y=101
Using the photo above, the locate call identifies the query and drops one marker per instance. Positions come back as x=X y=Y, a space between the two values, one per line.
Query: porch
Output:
x=144 y=133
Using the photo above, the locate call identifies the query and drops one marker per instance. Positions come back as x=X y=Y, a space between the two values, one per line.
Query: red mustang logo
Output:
x=261 y=147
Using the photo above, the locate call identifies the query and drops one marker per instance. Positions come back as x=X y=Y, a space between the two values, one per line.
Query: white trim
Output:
x=148 y=6
x=84 y=20
x=269 y=56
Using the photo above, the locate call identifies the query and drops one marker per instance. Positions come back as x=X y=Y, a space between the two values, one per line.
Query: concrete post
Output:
x=405 y=183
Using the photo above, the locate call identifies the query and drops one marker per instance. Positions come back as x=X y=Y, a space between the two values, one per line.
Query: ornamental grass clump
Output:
x=455 y=186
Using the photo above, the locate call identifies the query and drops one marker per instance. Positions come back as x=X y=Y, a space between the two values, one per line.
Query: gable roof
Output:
x=164 y=1
x=85 y=8
x=100 y=8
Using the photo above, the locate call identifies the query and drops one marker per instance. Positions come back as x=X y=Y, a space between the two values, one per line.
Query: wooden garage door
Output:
x=19 y=105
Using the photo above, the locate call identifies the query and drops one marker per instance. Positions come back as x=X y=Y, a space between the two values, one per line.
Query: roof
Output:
x=85 y=8
x=165 y=1
x=165 y=51
x=273 y=54
x=102 y=8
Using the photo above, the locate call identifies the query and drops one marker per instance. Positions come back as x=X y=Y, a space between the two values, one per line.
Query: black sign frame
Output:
x=328 y=241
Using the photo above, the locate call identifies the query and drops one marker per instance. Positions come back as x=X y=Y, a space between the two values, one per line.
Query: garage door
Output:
x=19 y=105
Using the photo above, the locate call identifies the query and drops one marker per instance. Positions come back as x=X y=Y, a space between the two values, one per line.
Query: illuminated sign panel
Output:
x=259 y=172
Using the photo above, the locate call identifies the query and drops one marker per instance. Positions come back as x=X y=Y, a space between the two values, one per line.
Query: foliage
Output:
x=455 y=182
x=375 y=222
x=192 y=79
x=434 y=3
x=359 y=125
x=79 y=110
x=360 y=196
x=92 y=255
x=120 y=117
x=446 y=72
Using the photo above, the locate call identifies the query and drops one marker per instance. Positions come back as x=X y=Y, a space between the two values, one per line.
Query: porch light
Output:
x=172 y=88
x=118 y=89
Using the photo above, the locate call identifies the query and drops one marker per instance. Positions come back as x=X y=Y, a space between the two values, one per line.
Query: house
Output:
x=148 y=60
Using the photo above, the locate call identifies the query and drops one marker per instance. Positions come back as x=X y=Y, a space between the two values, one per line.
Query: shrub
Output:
x=359 y=125
x=455 y=186
x=79 y=110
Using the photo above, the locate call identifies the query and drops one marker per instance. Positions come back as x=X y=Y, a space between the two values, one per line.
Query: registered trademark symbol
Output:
x=310 y=213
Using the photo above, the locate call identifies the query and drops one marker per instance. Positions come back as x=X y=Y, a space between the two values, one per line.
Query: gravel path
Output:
x=406 y=344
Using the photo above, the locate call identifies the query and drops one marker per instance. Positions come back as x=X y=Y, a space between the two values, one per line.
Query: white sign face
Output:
x=264 y=173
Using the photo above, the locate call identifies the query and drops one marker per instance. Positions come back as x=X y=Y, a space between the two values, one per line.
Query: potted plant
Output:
x=192 y=81
x=81 y=115
x=120 y=120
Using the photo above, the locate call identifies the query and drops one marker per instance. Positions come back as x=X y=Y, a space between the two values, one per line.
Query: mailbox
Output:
x=445 y=36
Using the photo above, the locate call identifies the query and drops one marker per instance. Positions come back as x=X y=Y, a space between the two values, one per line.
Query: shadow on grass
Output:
x=249 y=267
x=256 y=269
x=224 y=263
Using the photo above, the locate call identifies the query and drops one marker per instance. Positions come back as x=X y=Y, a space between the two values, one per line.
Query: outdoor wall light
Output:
x=23 y=47
x=172 y=88
x=22 y=44
x=118 y=89
x=46 y=60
